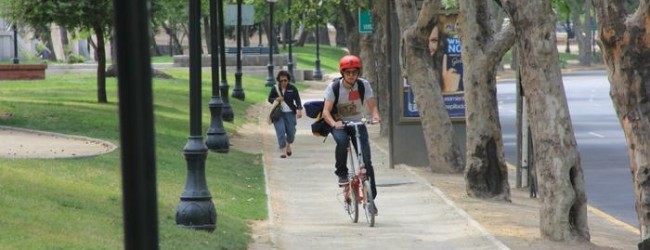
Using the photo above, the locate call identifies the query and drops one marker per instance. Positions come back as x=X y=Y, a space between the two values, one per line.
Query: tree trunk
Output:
x=207 y=33
x=584 y=44
x=486 y=173
x=246 y=37
x=101 y=64
x=497 y=23
x=368 y=58
x=302 y=36
x=65 y=42
x=340 y=34
x=563 y=204
x=569 y=36
x=381 y=71
x=624 y=43
x=50 y=45
x=350 y=26
x=176 y=44
x=582 y=30
x=324 y=35
x=443 y=150
x=154 y=46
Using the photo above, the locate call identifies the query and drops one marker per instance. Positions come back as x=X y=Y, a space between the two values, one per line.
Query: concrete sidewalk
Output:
x=306 y=208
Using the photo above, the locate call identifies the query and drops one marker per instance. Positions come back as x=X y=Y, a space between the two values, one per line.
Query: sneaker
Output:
x=343 y=180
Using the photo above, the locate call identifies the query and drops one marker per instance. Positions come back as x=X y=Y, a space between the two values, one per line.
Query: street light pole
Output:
x=290 y=37
x=217 y=138
x=318 y=74
x=16 y=60
x=227 y=113
x=238 y=91
x=196 y=210
x=136 y=122
x=269 y=78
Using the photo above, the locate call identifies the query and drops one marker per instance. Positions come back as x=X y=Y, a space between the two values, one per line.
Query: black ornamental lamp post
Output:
x=196 y=210
x=238 y=91
x=269 y=78
x=318 y=74
x=226 y=112
x=136 y=120
x=16 y=60
x=290 y=37
x=217 y=138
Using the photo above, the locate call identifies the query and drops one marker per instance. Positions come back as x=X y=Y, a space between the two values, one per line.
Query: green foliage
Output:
x=450 y=4
x=75 y=58
x=71 y=14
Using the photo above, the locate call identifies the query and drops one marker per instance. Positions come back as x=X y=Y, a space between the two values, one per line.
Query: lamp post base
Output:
x=197 y=214
x=318 y=74
x=269 y=78
x=238 y=91
x=217 y=138
x=196 y=209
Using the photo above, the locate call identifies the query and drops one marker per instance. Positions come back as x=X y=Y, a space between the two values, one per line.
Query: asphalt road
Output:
x=600 y=141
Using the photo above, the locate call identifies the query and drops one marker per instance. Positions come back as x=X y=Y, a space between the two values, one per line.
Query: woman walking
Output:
x=289 y=98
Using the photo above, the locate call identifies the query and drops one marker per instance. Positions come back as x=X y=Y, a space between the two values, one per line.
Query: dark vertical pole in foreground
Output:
x=217 y=138
x=137 y=140
x=196 y=210
x=16 y=60
x=238 y=91
x=226 y=112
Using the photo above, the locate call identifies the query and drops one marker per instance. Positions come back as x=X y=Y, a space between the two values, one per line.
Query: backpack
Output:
x=314 y=109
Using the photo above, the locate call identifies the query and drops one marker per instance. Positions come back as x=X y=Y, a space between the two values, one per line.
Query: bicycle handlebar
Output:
x=352 y=123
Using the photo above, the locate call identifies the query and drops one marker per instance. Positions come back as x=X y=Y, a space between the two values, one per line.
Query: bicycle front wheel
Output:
x=352 y=202
x=370 y=208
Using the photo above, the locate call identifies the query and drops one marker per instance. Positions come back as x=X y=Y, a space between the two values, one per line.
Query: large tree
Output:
x=486 y=173
x=444 y=154
x=95 y=15
x=624 y=41
x=379 y=73
x=563 y=204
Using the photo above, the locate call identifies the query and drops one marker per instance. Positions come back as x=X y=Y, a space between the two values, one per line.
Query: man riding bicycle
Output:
x=344 y=99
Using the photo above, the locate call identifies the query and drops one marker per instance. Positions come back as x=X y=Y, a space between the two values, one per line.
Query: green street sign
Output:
x=365 y=22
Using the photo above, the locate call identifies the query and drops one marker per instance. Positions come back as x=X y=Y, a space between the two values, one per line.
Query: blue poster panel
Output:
x=445 y=50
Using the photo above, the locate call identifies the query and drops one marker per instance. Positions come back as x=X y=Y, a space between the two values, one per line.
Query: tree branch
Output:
x=503 y=41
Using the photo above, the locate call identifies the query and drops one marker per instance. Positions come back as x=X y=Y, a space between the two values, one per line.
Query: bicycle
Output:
x=358 y=190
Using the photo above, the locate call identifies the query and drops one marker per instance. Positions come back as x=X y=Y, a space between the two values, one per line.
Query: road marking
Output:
x=611 y=219
x=597 y=135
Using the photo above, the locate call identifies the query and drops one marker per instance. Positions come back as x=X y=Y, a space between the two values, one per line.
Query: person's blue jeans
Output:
x=285 y=129
x=341 y=152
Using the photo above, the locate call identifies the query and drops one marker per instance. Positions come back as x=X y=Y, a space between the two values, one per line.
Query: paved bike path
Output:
x=306 y=209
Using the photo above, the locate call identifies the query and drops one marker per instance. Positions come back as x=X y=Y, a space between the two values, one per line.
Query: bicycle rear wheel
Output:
x=370 y=208
x=352 y=202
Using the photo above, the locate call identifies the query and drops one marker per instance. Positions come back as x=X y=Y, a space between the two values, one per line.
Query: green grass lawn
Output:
x=76 y=203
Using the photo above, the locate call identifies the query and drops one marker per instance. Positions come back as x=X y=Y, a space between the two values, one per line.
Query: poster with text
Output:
x=444 y=48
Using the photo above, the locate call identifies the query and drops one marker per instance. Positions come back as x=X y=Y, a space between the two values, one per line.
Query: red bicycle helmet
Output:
x=349 y=62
